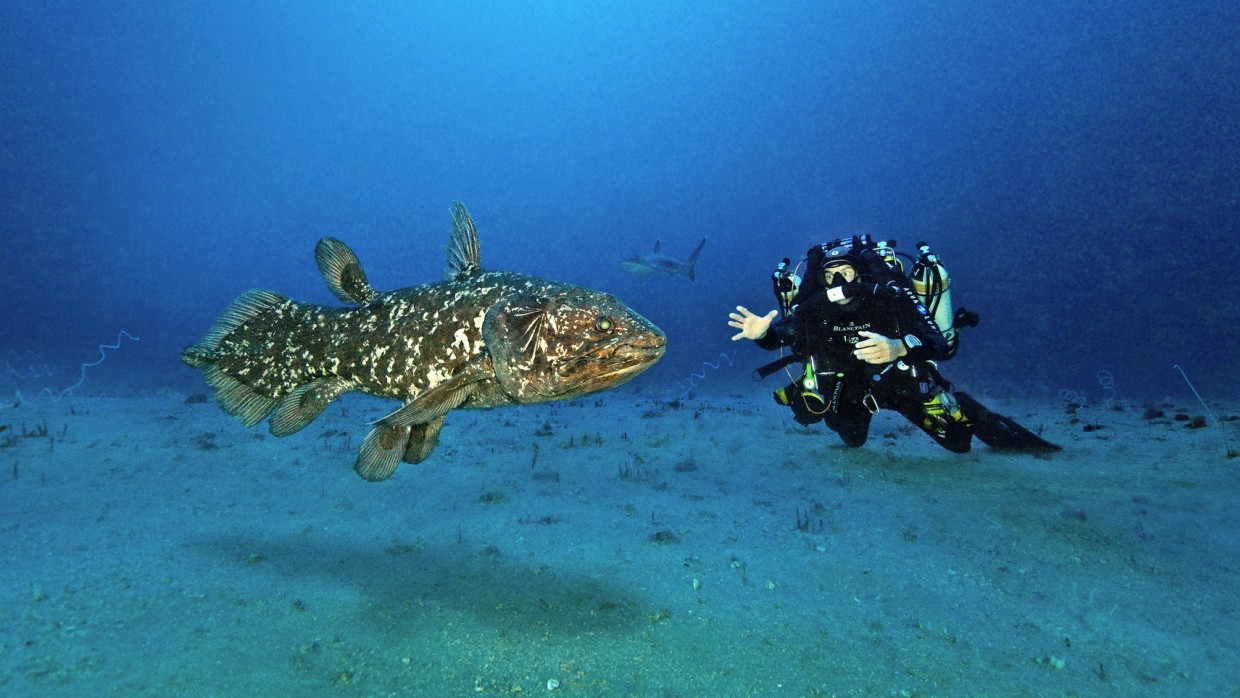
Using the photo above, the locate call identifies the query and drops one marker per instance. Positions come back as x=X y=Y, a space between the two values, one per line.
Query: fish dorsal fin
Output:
x=657 y=245
x=463 y=259
x=343 y=272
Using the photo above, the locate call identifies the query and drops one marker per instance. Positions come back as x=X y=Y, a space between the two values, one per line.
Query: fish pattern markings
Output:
x=477 y=339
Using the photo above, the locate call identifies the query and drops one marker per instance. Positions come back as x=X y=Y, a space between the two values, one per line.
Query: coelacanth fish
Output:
x=476 y=339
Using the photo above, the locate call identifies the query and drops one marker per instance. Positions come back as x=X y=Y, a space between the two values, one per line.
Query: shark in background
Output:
x=658 y=264
x=476 y=339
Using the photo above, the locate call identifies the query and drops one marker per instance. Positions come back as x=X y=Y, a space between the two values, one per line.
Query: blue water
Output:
x=1074 y=164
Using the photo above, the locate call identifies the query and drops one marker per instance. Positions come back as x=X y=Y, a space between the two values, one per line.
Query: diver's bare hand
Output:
x=751 y=326
x=877 y=349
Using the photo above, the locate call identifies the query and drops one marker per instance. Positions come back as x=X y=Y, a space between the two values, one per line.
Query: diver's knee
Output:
x=958 y=445
x=853 y=439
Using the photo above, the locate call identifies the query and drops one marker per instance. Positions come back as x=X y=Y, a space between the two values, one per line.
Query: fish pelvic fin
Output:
x=343 y=272
x=463 y=256
x=386 y=446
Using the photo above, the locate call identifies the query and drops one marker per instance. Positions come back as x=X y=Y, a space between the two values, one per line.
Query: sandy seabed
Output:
x=618 y=545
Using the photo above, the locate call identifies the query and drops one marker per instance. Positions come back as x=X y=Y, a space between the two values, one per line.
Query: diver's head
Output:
x=841 y=253
x=839 y=267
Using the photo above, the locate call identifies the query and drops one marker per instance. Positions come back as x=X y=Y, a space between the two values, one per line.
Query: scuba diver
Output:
x=868 y=337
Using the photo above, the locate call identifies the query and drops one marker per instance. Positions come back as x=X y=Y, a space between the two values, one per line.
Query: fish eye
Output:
x=603 y=324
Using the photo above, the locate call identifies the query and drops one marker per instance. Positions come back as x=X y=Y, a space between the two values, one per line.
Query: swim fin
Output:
x=997 y=431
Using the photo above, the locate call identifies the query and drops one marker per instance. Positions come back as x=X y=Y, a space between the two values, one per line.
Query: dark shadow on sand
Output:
x=402 y=581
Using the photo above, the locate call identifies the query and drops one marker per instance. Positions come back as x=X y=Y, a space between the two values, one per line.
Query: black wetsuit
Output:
x=851 y=389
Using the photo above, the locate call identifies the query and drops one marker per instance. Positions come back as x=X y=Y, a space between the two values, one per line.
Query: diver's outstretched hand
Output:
x=751 y=326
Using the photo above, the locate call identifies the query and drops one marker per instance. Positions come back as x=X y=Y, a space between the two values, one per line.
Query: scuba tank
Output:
x=786 y=284
x=886 y=251
x=932 y=287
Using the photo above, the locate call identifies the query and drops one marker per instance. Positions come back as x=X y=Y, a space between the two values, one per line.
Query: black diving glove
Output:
x=964 y=318
x=886 y=291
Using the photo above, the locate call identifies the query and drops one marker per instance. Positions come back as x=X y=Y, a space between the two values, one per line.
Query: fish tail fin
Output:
x=238 y=399
x=247 y=306
x=693 y=258
x=198 y=356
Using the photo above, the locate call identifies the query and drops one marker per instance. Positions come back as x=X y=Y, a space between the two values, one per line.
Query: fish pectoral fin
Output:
x=305 y=403
x=381 y=452
x=388 y=444
x=343 y=272
x=429 y=406
x=422 y=440
x=437 y=401
x=411 y=432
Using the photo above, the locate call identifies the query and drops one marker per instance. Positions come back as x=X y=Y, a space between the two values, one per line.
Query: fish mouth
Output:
x=639 y=352
x=628 y=360
x=618 y=362
x=640 y=348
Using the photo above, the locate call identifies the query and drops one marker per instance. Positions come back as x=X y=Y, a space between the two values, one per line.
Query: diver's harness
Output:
x=881 y=274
